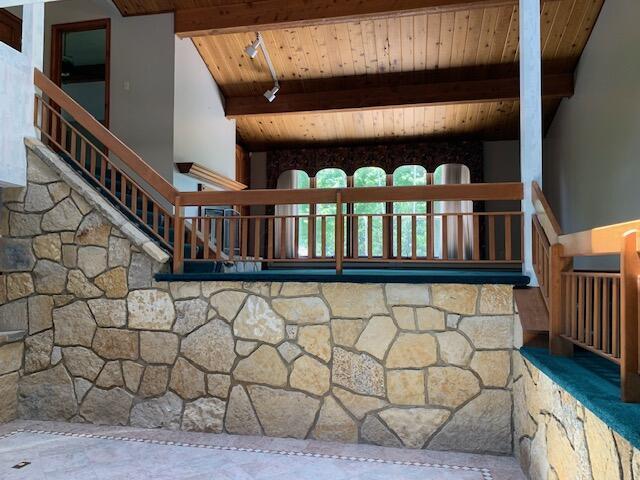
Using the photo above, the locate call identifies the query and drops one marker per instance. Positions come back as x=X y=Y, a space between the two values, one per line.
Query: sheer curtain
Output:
x=452 y=174
x=287 y=180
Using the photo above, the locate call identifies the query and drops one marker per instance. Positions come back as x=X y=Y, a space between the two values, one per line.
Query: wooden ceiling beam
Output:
x=396 y=96
x=251 y=16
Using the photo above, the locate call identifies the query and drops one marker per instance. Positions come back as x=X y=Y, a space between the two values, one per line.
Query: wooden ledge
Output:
x=196 y=170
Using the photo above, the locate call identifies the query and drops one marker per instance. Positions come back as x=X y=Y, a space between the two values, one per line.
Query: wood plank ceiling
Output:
x=447 y=46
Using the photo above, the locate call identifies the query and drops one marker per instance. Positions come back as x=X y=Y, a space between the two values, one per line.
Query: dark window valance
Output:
x=430 y=155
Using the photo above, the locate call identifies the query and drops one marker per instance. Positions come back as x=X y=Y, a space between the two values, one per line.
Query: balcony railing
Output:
x=454 y=228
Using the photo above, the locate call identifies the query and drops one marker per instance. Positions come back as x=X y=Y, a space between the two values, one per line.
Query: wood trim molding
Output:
x=200 y=172
x=396 y=95
x=250 y=16
x=545 y=214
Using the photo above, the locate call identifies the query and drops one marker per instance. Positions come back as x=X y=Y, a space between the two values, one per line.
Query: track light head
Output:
x=252 y=49
x=270 y=95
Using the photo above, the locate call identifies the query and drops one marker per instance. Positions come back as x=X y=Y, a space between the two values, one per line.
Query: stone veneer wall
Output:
x=556 y=437
x=400 y=365
x=11 y=355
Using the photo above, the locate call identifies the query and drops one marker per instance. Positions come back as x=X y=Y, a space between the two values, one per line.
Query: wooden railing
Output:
x=102 y=158
x=597 y=311
x=463 y=238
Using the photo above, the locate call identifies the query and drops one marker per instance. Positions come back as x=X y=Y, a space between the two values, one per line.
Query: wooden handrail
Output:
x=477 y=192
x=108 y=139
x=546 y=217
x=607 y=240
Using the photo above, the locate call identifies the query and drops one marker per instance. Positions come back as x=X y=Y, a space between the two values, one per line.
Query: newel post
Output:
x=629 y=330
x=557 y=265
x=178 y=237
x=339 y=233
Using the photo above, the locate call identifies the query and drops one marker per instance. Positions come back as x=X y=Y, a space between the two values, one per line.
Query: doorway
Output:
x=80 y=60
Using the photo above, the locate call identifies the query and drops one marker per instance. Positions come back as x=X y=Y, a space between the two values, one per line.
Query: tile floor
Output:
x=74 y=451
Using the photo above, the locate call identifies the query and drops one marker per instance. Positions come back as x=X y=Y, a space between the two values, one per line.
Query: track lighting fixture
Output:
x=252 y=52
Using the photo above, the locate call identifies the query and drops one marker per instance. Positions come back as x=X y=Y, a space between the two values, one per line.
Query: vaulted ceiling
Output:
x=439 y=72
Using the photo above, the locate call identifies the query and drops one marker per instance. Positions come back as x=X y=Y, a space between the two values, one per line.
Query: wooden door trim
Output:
x=56 y=54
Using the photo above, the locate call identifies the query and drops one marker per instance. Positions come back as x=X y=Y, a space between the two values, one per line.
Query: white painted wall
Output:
x=17 y=94
x=142 y=75
x=592 y=150
x=201 y=132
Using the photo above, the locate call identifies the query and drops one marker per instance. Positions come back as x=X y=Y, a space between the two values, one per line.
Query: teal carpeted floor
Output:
x=594 y=382
x=381 y=275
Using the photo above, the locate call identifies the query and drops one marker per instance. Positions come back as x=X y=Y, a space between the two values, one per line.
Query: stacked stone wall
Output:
x=557 y=438
x=419 y=366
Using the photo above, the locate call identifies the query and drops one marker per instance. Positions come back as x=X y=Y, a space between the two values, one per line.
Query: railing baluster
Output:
x=283 y=237
x=492 y=238
x=445 y=237
x=232 y=237
x=369 y=236
x=606 y=317
x=597 y=313
x=414 y=243
x=296 y=236
x=574 y=309
x=206 y=235
x=256 y=239
x=459 y=237
x=507 y=238
x=244 y=248
x=270 y=238
x=399 y=237
x=219 y=241
x=430 y=236
x=581 y=313
x=193 y=242
x=615 y=317
x=323 y=239
x=588 y=334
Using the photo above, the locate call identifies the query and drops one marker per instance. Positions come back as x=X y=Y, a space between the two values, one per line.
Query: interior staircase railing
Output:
x=597 y=311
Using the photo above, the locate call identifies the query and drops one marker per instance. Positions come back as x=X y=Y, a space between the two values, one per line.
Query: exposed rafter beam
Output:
x=396 y=95
x=250 y=16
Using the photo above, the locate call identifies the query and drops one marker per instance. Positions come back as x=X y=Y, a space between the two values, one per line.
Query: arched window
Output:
x=412 y=214
x=327 y=178
x=367 y=212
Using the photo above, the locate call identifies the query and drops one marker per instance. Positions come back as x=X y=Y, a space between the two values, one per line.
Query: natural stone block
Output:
x=70 y=256
x=73 y=325
x=204 y=415
x=38 y=171
x=48 y=247
x=218 y=385
x=141 y=271
x=16 y=255
x=496 y=300
x=489 y=332
x=8 y=397
x=47 y=395
x=82 y=362
x=407 y=294
x=210 y=347
x=81 y=387
x=93 y=230
x=563 y=459
x=334 y=424
x=256 y=321
x=107 y=407
x=316 y=340
x=37 y=353
x=81 y=203
x=302 y=310
x=114 y=283
x=283 y=413
x=19 y=285
x=455 y=298
x=375 y=432
x=414 y=426
x=262 y=366
x=132 y=374
x=58 y=191
x=241 y=419
x=360 y=373
x=11 y=357
x=291 y=331
x=310 y=376
x=405 y=387
x=154 y=380
x=37 y=198
x=228 y=303
x=493 y=367
x=245 y=347
x=209 y=288
x=354 y=300
x=163 y=412
x=13 y=194
x=110 y=376
x=345 y=332
x=483 y=425
x=358 y=405
x=158 y=347
x=114 y=344
x=603 y=452
x=296 y=289
x=430 y=319
x=377 y=336
x=405 y=317
x=80 y=286
x=150 y=310
x=455 y=349
x=258 y=288
x=289 y=351
x=65 y=216
x=14 y=315
x=413 y=350
x=451 y=386
x=187 y=381
x=190 y=314
x=181 y=290
x=109 y=313
x=24 y=224
x=49 y=277
x=119 y=253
